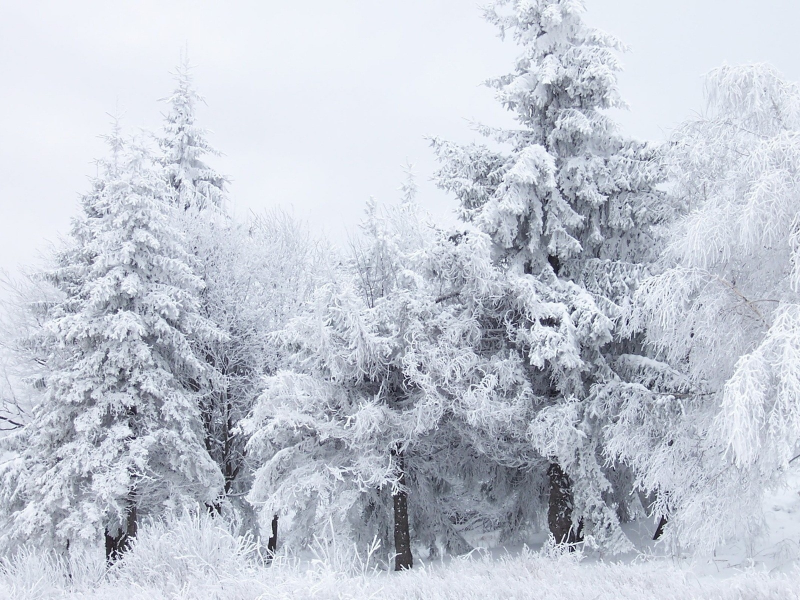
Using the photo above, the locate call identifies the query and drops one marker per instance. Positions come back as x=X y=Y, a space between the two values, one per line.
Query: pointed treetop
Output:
x=184 y=146
x=409 y=187
x=572 y=187
x=115 y=141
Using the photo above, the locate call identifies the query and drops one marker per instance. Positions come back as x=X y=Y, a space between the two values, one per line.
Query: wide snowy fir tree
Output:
x=338 y=429
x=384 y=422
x=117 y=436
x=570 y=205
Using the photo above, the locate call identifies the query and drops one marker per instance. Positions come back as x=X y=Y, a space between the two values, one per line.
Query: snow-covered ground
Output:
x=526 y=575
x=197 y=558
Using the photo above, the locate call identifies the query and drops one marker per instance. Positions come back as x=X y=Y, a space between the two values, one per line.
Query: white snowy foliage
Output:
x=257 y=275
x=183 y=146
x=384 y=362
x=330 y=429
x=724 y=312
x=115 y=426
x=572 y=185
x=571 y=207
x=194 y=556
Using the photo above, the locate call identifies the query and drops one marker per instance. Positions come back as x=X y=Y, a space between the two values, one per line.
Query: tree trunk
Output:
x=272 y=542
x=402 y=538
x=647 y=503
x=559 y=513
x=660 y=529
x=117 y=543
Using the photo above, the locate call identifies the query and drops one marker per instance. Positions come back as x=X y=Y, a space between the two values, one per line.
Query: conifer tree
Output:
x=569 y=204
x=117 y=435
x=183 y=146
x=369 y=427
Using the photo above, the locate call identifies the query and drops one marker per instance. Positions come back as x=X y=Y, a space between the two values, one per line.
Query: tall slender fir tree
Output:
x=183 y=146
x=569 y=204
x=117 y=435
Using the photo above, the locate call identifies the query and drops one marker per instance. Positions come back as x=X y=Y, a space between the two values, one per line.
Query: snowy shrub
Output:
x=33 y=574
x=183 y=550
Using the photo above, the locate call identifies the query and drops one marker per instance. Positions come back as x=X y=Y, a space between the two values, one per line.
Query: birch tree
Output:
x=717 y=421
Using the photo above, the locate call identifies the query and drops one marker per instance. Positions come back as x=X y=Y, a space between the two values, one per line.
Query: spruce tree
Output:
x=368 y=429
x=117 y=435
x=184 y=145
x=569 y=204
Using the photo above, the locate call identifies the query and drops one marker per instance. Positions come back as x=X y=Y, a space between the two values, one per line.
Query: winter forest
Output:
x=588 y=385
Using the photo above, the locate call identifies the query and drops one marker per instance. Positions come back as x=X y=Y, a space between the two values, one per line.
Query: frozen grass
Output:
x=196 y=557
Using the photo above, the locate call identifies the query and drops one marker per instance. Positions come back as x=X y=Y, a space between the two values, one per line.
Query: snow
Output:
x=611 y=337
x=199 y=557
x=187 y=573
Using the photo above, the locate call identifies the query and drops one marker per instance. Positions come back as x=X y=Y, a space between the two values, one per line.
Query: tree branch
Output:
x=11 y=421
x=449 y=296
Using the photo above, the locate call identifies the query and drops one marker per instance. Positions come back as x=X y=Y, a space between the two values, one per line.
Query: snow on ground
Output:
x=197 y=558
x=525 y=575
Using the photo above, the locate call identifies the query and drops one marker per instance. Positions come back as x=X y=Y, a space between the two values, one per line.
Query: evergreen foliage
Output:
x=345 y=429
x=116 y=434
x=183 y=146
x=570 y=206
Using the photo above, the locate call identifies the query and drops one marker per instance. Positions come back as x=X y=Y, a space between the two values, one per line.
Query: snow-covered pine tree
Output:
x=372 y=427
x=116 y=436
x=331 y=430
x=718 y=424
x=183 y=146
x=569 y=203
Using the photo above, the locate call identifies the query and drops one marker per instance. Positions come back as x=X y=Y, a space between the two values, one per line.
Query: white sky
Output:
x=316 y=104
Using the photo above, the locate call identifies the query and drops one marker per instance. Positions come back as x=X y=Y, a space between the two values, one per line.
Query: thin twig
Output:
x=11 y=421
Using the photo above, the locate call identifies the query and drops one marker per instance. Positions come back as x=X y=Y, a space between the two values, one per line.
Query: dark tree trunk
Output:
x=555 y=263
x=660 y=529
x=119 y=541
x=272 y=542
x=648 y=501
x=559 y=513
x=224 y=454
x=402 y=538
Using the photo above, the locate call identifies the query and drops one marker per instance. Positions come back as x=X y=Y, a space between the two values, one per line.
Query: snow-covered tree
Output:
x=257 y=276
x=183 y=147
x=716 y=424
x=569 y=203
x=370 y=427
x=332 y=431
x=117 y=435
x=24 y=303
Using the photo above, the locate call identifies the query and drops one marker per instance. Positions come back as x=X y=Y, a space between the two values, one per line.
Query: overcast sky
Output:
x=316 y=104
